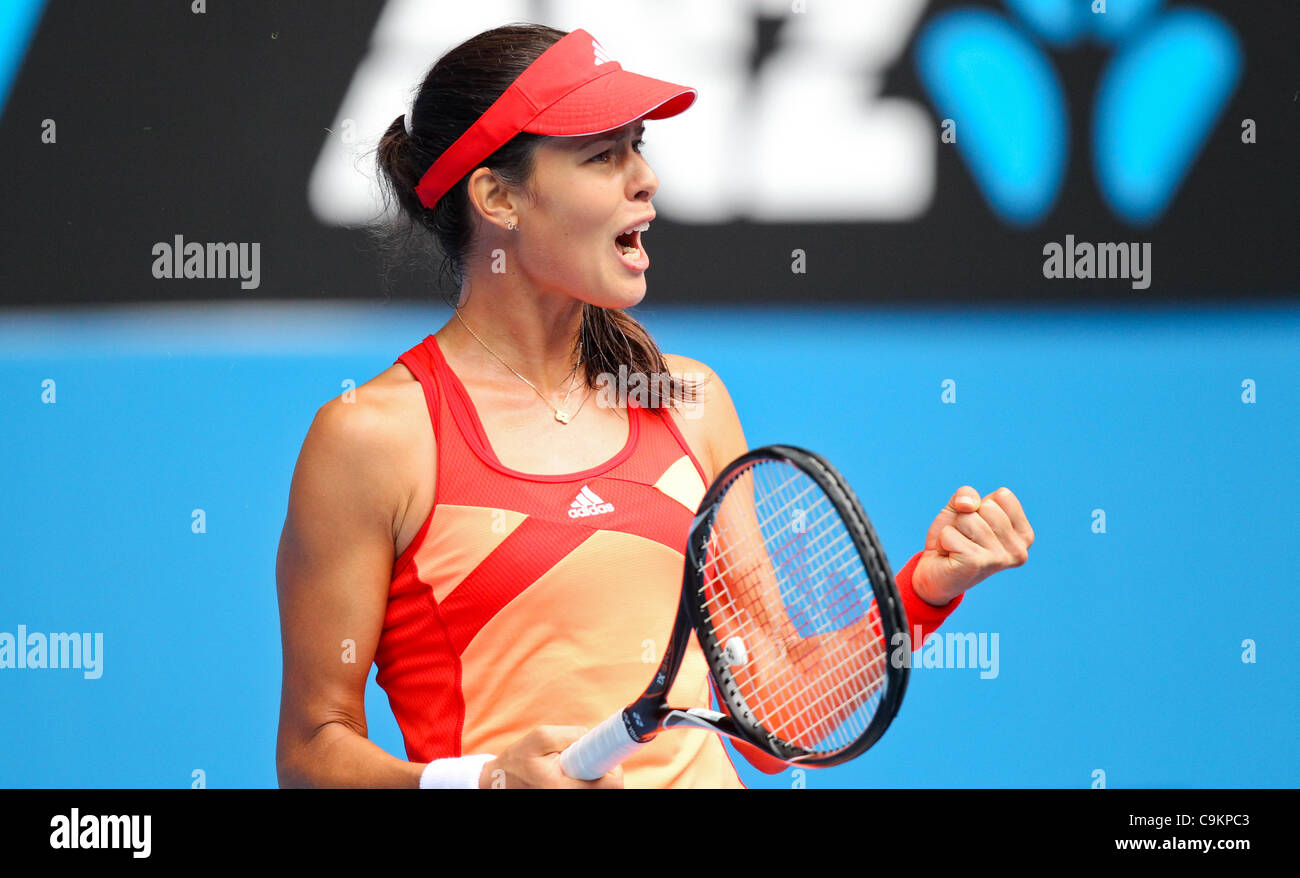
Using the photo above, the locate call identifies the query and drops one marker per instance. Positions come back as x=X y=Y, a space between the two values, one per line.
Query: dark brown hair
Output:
x=457 y=90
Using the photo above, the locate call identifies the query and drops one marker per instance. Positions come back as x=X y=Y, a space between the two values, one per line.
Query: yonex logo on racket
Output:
x=587 y=503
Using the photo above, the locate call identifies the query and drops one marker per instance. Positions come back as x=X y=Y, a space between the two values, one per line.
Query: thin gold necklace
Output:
x=560 y=414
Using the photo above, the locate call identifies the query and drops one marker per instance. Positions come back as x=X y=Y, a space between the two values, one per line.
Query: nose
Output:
x=642 y=181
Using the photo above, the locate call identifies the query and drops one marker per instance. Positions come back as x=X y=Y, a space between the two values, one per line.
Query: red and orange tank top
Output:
x=529 y=600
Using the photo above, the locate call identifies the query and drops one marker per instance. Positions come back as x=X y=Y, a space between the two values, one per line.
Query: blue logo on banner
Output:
x=17 y=24
x=1159 y=95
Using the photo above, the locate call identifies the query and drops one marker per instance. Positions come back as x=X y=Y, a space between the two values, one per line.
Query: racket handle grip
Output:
x=595 y=753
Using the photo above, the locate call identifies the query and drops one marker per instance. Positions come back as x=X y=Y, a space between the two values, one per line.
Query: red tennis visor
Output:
x=573 y=89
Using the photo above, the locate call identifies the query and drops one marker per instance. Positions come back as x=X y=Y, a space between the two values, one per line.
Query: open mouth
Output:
x=629 y=248
x=629 y=241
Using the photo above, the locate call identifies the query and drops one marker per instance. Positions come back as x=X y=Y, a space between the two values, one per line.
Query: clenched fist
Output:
x=970 y=540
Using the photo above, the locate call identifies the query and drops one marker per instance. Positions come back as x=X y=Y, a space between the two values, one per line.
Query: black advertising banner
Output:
x=1064 y=151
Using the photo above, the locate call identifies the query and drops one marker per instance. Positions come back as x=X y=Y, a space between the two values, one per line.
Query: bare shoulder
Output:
x=712 y=426
x=364 y=438
x=375 y=415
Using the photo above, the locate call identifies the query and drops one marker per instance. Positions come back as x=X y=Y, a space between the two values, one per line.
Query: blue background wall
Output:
x=1119 y=651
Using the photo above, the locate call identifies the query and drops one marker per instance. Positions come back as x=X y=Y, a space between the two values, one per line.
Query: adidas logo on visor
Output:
x=601 y=55
x=587 y=503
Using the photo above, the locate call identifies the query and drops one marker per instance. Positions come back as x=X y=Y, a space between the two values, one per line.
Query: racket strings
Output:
x=716 y=535
x=800 y=707
x=806 y=561
x=783 y=689
x=845 y=547
x=724 y=602
x=793 y=691
x=783 y=575
x=847 y=687
x=819 y=697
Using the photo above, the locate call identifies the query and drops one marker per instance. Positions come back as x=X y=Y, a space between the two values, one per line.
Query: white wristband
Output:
x=454 y=773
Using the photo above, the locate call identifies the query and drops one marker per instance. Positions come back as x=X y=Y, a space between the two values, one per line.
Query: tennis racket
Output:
x=789 y=592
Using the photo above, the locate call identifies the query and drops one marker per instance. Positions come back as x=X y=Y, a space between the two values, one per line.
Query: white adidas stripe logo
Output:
x=587 y=503
x=601 y=55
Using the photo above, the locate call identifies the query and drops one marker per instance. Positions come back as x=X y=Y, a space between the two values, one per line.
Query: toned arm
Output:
x=717 y=439
x=332 y=573
x=347 y=503
x=714 y=433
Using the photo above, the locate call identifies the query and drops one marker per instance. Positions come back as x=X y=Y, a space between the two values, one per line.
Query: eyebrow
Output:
x=590 y=140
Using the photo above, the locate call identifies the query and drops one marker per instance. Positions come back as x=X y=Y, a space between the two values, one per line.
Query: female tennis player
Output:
x=501 y=538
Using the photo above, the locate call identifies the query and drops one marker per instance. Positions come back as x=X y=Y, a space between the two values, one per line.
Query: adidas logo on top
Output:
x=601 y=55
x=587 y=503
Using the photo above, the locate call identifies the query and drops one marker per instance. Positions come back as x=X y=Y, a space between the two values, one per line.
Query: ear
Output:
x=490 y=198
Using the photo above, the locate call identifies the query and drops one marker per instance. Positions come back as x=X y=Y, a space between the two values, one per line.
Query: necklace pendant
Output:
x=562 y=416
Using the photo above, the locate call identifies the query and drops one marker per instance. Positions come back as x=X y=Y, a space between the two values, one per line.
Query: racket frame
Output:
x=650 y=713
